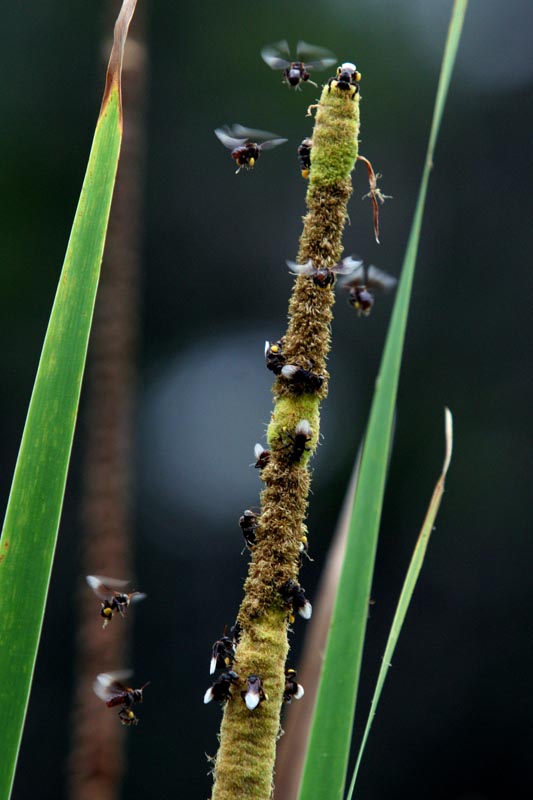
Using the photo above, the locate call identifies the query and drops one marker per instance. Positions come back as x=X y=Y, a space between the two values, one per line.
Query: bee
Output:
x=324 y=276
x=262 y=456
x=304 y=156
x=303 y=379
x=223 y=653
x=294 y=595
x=245 y=149
x=292 y=688
x=248 y=523
x=274 y=358
x=361 y=285
x=296 y=72
x=221 y=689
x=110 y=688
x=254 y=693
x=346 y=79
x=113 y=600
x=299 y=440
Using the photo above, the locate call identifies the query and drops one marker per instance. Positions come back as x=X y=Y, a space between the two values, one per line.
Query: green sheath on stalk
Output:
x=30 y=530
x=245 y=761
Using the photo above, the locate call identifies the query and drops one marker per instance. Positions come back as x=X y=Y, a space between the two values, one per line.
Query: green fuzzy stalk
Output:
x=245 y=761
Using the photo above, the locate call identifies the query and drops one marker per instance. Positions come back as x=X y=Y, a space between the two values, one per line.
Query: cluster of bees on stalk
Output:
x=247 y=144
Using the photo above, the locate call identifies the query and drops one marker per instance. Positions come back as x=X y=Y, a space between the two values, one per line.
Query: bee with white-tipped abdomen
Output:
x=254 y=692
x=293 y=690
x=220 y=691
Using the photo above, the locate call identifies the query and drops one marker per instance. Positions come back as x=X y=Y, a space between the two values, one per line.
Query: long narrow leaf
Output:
x=407 y=592
x=32 y=519
x=327 y=757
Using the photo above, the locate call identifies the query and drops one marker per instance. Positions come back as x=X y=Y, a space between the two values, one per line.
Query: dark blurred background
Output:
x=455 y=718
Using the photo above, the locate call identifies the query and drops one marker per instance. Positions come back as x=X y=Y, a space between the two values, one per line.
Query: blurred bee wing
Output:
x=315 y=56
x=251 y=134
x=277 y=55
x=224 y=136
x=272 y=143
x=104 y=587
x=356 y=277
x=347 y=266
x=380 y=279
x=136 y=596
x=301 y=269
x=108 y=684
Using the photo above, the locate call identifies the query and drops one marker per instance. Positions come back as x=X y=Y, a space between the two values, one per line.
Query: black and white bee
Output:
x=114 y=599
x=248 y=523
x=262 y=456
x=362 y=284
x=347 y=79
x=274 y=358
x=304 y=380
x=220 y=691
x=294 y=595
x=298 y=440
x=324 y=276
x=222 y=654
x=293 y=690
x=254 y=692
x=304 y=156
x=297 y=71
x=110 y=688
x=246 y=144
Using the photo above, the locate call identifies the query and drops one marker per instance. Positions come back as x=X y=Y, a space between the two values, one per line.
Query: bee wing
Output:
x=250 y=134
x=301 y=269
x=357 y=277
x=225 y=136
x=347 y=266
x=379 y=279
x=134 y=597
x=314 y=56
x=272 y=143
x=109 y=684
x=277 y=55
x=103 y=587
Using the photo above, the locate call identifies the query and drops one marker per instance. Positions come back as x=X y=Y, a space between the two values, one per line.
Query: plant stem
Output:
x=245 y=762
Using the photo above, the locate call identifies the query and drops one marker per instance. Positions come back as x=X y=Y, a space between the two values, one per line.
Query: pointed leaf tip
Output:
x=114 y=67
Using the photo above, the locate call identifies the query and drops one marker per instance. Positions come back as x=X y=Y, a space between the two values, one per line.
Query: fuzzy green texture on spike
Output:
x=245 y=761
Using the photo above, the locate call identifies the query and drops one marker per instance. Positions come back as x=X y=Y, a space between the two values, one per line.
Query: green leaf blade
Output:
x=31 y=524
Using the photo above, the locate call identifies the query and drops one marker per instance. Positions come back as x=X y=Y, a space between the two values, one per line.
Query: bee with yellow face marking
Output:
x=347 y=79
x=274 y=358
x=362 y=284
x=114 y=599
x=245 y=144
x=293 y=690
x=222 y=654
x=110 y=688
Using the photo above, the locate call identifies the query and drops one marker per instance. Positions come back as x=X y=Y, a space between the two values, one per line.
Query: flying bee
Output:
x=221 y=689
x=262 y=456
x=362 y=284
x=254 y=693
x=347 y=79
x=274 y=358
x=113 y=600
x=304 y=156
x=294 y=595
x=292 y=688
x=110 y=688
x=248 y=523
x=324 y=276
x=223 y=653
x=308 y=57
x=299 y=440
x=244 y=145
x=302 y=379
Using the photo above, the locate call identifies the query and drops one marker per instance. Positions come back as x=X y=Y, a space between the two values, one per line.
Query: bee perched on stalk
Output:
x=254 y=693
x=110 y=688
x=245 y=144
x=293 y=690
x=220 y=691
x=362 y=284
x=347 y=79
x=304 y=156
x=108 y=590
x=296 y=71
x=222 y=654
